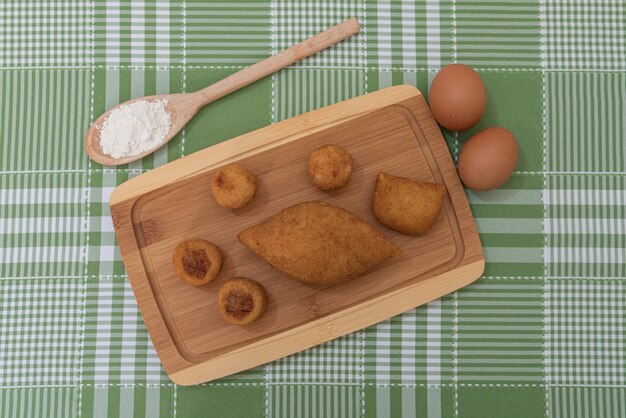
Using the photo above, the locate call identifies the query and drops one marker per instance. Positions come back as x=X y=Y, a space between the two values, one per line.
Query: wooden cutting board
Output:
x=391 y=130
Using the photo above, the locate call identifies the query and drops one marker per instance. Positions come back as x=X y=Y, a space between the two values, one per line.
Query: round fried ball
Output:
x=197 y=261
x=330 y=167
x=241 y=301
x=233 y=186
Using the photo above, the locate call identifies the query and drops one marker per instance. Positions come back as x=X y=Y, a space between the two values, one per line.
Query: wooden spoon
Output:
x=183 y=106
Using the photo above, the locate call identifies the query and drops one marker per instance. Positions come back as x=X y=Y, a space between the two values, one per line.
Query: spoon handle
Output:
x=279 y=61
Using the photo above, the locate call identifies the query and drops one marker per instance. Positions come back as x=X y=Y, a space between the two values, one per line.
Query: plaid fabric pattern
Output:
x=303 y=90
x=314 y=401
x=497 y=35
x=137 y=33
x=585 y=342
x=294 y=21
x=226 y=33
x=121 y=401
x=540 y=335
x=581 y=35
x=332 y=362
x=415 y=347
x=104 y=258
x=38 y=401
x=40 y=327
x=585 y=226
x=499 y=332
x=600 y=402
x=40 y=105
x=116 y=345
x=586 y=135
x=510 y=222
x=408 y=34
x=42 y=225
x=42 y=33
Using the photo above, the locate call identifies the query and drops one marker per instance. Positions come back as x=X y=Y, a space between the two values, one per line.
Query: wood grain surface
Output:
x=392 y=131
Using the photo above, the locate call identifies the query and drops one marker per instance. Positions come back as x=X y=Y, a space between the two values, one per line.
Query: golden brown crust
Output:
x=330 y=167
x=233 y=186
x=407 y=206
x=197 y=261
x=241 y=301
x=318 y=243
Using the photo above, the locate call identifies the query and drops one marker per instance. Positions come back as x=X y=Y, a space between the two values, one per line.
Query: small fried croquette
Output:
x=233 y=186
x=317 y=243
x=197 y=261
x=330 y=167
x=407 y=206
x=241 y=301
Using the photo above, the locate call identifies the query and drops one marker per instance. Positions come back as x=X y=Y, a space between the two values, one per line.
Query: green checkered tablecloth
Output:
x=541 y=334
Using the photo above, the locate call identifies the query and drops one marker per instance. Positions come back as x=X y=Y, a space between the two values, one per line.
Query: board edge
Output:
x=302 y=337
x=304 y=123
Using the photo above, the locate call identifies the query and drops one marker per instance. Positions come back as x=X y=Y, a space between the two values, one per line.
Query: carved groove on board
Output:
x=391 y=130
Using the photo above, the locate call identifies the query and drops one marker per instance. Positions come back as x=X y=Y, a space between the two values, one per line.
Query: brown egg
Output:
x=488 y=159
x=457 y=97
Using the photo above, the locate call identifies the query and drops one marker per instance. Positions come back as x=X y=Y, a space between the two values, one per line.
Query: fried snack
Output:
x=241 y=301
x=405 y=205
x=233 y=186
x=317 y=243
x=197 y=261
x=330 y=167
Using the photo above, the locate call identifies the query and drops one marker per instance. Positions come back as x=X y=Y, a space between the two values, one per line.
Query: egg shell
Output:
x=457 y=97
x=488 y=159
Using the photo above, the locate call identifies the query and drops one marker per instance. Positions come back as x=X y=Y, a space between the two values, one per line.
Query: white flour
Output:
x=134 y=128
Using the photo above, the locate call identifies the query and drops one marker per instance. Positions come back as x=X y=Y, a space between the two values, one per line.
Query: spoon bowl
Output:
x=178 y=105
x=183 y=106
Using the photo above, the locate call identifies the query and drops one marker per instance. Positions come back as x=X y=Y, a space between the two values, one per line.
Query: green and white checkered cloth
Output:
x=541 y=334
